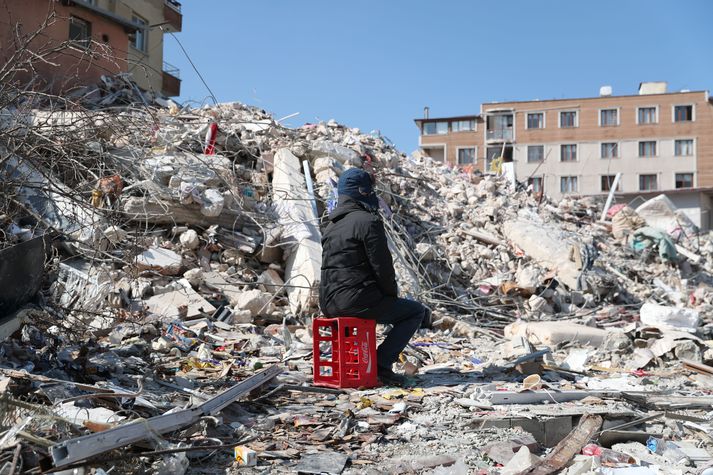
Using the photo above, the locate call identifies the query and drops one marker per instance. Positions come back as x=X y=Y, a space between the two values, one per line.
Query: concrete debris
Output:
x=669 y=318
x=159 y=276
x=163 y=261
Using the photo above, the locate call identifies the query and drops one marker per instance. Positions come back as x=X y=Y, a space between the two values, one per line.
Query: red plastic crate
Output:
x=349 y=361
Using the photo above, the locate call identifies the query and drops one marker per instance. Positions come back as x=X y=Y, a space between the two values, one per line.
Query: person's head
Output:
x=358 y=185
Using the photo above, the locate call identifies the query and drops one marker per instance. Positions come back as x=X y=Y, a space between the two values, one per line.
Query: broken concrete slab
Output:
x=254 y=301
x=553 y=333
x=271 y=281
x=519 y=462
x=182 y=303
x=547 y=245
x=163 y=261
x=331 y=463
x=300 y=236
x=669 y=318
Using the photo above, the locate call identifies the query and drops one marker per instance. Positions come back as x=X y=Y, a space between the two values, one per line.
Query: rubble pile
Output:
x=162 y=262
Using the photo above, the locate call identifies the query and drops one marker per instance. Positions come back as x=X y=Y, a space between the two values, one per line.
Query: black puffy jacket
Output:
x=357 y=270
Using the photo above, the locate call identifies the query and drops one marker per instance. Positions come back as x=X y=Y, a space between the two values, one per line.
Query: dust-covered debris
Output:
x=171 y=271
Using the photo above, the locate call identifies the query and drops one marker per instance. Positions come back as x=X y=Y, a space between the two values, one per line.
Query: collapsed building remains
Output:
x=161 y=262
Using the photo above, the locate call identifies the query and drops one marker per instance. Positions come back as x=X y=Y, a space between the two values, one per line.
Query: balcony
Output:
x=171 y=81
x=172 y=15
x=503 y=135
x=499 y=127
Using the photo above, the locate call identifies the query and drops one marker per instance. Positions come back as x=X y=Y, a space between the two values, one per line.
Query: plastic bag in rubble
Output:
x=671 y=318
x=625 y=222
x=213 y=203
x=175 y=464
x=333 y=197
x=661 y=213
x=181 y=336
x=648 y=236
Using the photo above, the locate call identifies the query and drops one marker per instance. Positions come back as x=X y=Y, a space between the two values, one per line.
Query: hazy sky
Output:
x=375 y=64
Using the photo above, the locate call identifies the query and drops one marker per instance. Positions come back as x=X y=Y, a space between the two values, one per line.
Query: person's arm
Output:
x=377 y=252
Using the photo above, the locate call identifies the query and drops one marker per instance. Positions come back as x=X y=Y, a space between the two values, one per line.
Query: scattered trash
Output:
x=180 y=255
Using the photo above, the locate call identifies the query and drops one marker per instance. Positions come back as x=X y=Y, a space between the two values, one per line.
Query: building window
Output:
x=568 y=184
x=568 y=119
x=495 y=155
x=682 y=113
x=684 y=180
x=683 y=148
x=568 y=153
x=466 y=156
x=608 y=182
x=536 y=120
x=140 y=37
x=535 y=153
x=608 y=117
x=80 y=32
x=462 y=125
x=648 y=183
x=647 y=149
x=647 y=115
x=610 y=150
x=536 y=183
x=435 y=128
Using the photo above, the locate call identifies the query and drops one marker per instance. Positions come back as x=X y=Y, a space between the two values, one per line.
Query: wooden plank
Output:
x=568 y=447
x=87 y=446
x=697 y=367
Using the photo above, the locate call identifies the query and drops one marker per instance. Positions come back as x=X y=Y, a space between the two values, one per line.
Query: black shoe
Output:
x=389 y=378
x=427 y=321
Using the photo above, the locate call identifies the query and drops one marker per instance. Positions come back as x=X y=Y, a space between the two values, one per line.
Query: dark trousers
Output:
x=405 y=316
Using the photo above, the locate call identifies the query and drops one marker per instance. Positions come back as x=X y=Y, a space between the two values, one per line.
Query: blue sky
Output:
x=374 y=64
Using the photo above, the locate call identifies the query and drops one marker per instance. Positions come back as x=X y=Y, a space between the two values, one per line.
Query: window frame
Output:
x=80 y=43
x=474 y=148
x=655 y=175
x=613 y=177
x=693 y=147
x=569 y=178
x=528 y=153
x=435 y=122
x=673 y=113
x=576 y=119
x=656 y=112
x=531 y=182
x=618 y=116
x=601 y=149
x=527 y=121
x=693 y=181
x=144 y=32
x=576 y=152
x=656 y=148
x=474 y=129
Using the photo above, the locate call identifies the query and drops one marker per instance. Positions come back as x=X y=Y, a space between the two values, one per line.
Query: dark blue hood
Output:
x=357 y=185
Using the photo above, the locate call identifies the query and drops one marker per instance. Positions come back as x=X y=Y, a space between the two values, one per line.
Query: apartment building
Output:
x=91 y=38
x=659 y=141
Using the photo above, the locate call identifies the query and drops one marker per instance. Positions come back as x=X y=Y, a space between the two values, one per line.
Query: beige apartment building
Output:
x=659 y=141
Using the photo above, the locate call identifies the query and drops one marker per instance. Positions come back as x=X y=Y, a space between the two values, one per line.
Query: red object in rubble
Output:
x=349 y=359
x=210 y=139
